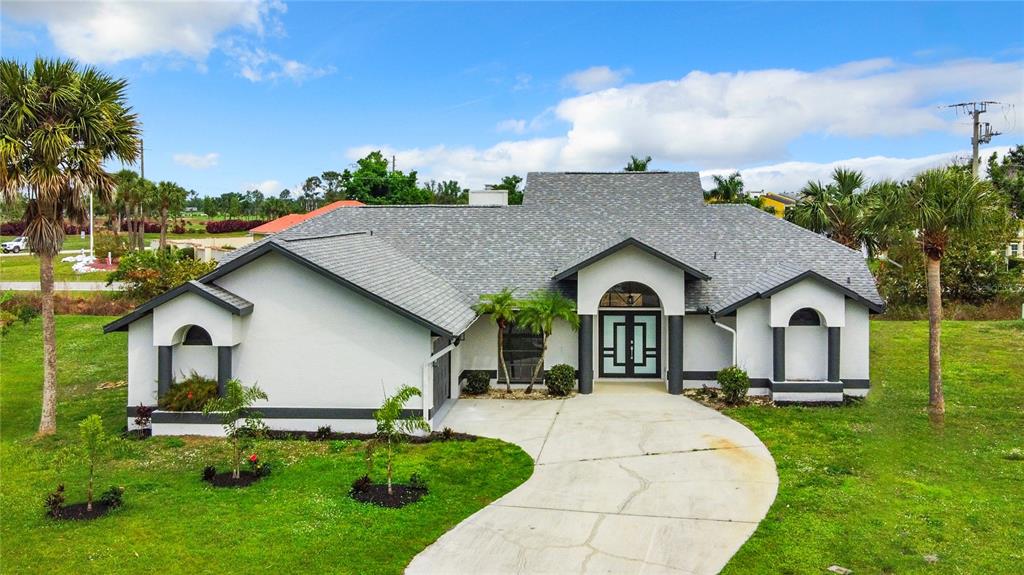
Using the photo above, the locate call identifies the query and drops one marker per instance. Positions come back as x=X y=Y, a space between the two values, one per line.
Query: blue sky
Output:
x=246 y=94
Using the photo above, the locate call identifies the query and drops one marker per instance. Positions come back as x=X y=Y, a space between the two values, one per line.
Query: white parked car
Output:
x=16 y=245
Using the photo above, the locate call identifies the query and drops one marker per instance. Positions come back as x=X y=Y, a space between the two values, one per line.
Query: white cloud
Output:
x=197 y=161
x=595 y=78
x=739 y=118
x=791 y=176
x=266 y=186
x=108 y=31
x=522 y=82
x=511 y=125
x=256 y=64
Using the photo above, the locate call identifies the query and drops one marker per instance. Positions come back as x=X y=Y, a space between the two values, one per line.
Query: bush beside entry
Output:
x=734 y=383
x=477 y=382
x=560 y=379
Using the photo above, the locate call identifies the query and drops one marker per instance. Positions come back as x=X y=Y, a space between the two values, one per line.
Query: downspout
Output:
x=728 y=329
x=427 y=389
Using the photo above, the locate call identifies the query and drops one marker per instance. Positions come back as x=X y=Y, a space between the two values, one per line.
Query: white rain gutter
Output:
x=427 y=389
x=730 y=330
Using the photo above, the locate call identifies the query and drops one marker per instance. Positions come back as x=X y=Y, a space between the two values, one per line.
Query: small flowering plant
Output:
x=257 y=468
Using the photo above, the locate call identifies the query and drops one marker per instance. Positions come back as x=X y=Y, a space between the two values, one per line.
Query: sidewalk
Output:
x=63 y=286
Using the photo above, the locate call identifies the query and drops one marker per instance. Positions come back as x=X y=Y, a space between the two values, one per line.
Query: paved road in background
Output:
x=63 y=286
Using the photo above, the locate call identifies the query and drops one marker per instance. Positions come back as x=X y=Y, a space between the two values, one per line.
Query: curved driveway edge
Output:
x=623 y=483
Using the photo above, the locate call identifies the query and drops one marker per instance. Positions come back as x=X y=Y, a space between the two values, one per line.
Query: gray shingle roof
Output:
x=215 y=294
x=456 y=253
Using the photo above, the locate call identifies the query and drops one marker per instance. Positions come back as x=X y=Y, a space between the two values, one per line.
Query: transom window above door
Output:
x=630 y=294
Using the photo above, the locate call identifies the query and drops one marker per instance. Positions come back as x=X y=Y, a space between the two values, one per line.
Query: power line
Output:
x=982 y=132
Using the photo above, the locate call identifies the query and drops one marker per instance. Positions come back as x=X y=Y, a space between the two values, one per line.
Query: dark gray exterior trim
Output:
x=121 y=324
x=755 y=382
x=275 y=413
x=223 y=368
x=164 y=369
x=833 y=353
x=675 y=354
x=872 y=306
x=585 y=357
x=272 y=247
x=857 y=383
x=779 y=353
x=631 y=241
x=808 y=387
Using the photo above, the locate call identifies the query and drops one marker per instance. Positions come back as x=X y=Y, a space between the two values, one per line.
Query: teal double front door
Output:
x=630 y=344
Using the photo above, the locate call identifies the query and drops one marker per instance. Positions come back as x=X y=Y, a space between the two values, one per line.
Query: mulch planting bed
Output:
x=78 y=511
x=315 y=436
x=519 y=394
x=377 y=494
x=224 y=479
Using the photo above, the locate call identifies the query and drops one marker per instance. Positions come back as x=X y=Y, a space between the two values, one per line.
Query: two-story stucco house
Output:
x=332 y=313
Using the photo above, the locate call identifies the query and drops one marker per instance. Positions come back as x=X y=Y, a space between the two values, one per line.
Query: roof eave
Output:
x=635 y=243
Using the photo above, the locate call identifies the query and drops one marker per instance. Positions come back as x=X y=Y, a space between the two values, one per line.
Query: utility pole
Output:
x=982 y=131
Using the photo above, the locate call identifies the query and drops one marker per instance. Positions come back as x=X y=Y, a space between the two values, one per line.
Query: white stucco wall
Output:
x=479 y=348
x=828 y=302
x=312 y=343
x=754 y=349
x=706 y=347
x=631 y=264
x=563 y=345
x=855 y=337
x=201 y=358
x=806 y=353
x=171 y=319
x=142 y=363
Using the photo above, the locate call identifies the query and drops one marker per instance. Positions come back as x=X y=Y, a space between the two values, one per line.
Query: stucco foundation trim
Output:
x=196 y=417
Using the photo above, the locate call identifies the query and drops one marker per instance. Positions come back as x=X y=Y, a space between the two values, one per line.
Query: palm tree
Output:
x=637 y=164
x=538 y=314
x=937 y=206
x=134 y=195
x=60 y=123
x=501 y=307
x=167 y=197
x=839 y=209
x=727 y=190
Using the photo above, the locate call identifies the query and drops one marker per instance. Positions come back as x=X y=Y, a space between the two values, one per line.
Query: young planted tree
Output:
x=94 y=444
x=168 y=199
x=60 y=124
x=501 y=307
x=840 y=209
x=538 y=314
x=637 y=164
x=235 y=406
x=938 y=206
x=392 y=427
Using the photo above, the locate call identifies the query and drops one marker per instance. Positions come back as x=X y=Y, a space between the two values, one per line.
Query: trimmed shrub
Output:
x=148 y=274
x=113 y=497
x=106 y=243
x=190 y=394
x=225 y=226
x=734 y=382
x=560 y=379
x=477 y=382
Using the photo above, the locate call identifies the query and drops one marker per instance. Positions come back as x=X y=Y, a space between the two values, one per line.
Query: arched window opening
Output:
x=805 y=316
x=630 y=294
x=197 y=336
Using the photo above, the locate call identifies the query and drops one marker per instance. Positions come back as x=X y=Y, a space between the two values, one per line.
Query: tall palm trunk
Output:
x=501 y=358
x=48 y=418
x=540 y=364
x=163 y=228
x=936 y=402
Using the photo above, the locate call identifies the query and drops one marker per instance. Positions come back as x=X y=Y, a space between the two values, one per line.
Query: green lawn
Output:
x=26 y=269
x=74 y=242
x=875 y=488
x=300 y=519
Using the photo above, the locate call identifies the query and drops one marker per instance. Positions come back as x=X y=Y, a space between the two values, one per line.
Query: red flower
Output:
x=253 y=458
x=190 y=395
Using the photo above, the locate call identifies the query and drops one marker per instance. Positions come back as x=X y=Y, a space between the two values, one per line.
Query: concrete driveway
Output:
x=624 y=482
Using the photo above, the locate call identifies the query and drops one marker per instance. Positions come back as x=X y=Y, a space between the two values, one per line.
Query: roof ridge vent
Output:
x=325 y=236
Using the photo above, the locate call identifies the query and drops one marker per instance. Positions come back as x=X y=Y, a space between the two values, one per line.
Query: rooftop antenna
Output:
x=982 y=132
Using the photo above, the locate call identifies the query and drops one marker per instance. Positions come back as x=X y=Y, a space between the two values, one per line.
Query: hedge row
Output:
x=18 y=228
x=223 y=226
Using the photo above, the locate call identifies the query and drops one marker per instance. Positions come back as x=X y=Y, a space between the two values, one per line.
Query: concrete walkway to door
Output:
x=624 y=482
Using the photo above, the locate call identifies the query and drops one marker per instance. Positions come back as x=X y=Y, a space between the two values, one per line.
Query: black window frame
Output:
x=194 y=337
x=805 y=316
x=519 y=343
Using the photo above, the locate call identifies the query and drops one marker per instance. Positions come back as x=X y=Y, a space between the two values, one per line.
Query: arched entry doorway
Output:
x=629 y=332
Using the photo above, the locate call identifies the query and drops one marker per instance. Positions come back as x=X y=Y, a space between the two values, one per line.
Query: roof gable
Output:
x=215 y=294
x=630 y=241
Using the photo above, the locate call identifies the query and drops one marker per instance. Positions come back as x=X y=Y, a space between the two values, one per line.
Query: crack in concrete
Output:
x=644 y=485
x=635 y=455
x=547 y=435
x=688 y=518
